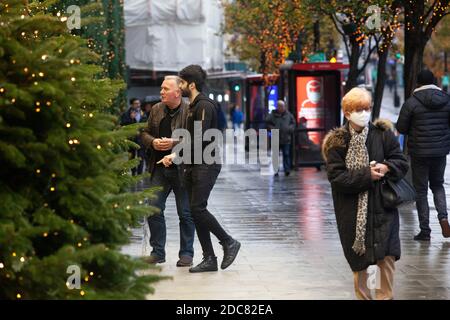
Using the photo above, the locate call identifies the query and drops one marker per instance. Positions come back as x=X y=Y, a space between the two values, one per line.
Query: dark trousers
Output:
x=199 y=180
x=141 y=155
x=424 y=171
x=169 y=179
x=286 y=152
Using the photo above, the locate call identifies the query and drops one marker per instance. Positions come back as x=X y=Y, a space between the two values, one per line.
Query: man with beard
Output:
x=200 y=177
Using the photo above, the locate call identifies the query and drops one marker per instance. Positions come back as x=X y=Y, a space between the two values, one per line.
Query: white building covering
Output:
x=167 y=35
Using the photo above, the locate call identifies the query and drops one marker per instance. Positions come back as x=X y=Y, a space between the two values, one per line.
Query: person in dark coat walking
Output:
x=425 y=118
x=369 y=233
x=284 y=121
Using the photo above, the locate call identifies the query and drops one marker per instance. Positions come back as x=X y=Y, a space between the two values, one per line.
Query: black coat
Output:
x=425 y=118
x=382 y=230
x=285 y=122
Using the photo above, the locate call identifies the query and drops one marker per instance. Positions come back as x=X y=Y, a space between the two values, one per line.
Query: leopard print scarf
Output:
x=357 y=158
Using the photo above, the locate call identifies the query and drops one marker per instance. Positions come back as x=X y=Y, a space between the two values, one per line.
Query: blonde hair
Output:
x=355 y=98
x=177 y=79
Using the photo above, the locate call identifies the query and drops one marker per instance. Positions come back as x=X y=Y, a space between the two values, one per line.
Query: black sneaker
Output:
x=422 y=237
x=207 y=264
x=230 y=252
x=287 y=173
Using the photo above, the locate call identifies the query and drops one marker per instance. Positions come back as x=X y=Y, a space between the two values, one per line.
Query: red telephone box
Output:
x=315 y=101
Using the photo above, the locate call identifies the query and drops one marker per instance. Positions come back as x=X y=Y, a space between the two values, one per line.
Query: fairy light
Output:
x=72 y=79
x=45 y=235
x=22 y=259
x=99 y=147
x=14 y=254
x=82 y=293
x=91 y=274
x=44 y=57
x=19 y=296
x=52 y=189
x=68 y=125
x=2 y=265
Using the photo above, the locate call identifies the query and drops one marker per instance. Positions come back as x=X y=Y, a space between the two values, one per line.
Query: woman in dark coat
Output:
x=369 y=233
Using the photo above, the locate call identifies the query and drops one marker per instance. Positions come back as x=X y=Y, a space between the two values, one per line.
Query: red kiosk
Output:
x=314 y=95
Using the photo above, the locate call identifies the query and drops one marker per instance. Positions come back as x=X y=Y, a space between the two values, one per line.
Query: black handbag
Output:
x=397 y=194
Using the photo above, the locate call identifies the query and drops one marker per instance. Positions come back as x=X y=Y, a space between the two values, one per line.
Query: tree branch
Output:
x=435 y=20
x=430 y=10
x=344 y=36
x=371 y=50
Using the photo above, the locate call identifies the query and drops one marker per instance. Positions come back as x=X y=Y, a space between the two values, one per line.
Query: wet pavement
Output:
x=290 y=245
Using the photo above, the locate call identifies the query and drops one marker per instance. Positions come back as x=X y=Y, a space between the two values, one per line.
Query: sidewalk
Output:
x=290 y=245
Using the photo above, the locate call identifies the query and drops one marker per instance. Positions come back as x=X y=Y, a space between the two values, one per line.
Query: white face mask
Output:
x=361 y=118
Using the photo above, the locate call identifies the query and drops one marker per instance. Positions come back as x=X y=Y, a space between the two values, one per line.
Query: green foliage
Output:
x=102 y=24
x=63 y=166
x=263 y=31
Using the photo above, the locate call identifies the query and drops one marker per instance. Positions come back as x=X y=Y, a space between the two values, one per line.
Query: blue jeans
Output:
x=169 y=179
x=286 y=151
x=424 y=171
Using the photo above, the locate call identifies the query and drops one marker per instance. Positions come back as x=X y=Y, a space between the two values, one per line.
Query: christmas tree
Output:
x=102 y=24
x=63 y=166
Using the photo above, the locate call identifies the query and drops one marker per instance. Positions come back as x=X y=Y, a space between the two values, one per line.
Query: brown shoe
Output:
x=445 y=228
x=154 y=260
x=185 y=261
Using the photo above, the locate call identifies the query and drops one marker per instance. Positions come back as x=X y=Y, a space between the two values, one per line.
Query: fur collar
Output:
x=338 y=137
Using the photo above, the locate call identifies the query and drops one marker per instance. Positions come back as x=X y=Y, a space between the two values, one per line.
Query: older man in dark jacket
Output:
x=284 y=121
x=425 y=118
x=165 y=117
